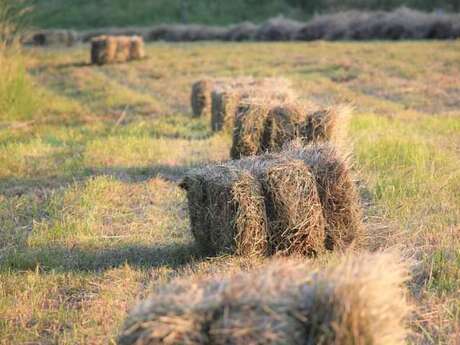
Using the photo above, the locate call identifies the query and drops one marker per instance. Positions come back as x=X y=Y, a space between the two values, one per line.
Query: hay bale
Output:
x=226 y=210
x=295 y=218
x=267 y=128
x=51 y=38
x=201 y=97
x=245 y=31
x=226 y=98
x=136 y=48
x=103 y=50
x=303 y=200
x=359 y=301
x=250 y=122
x=123 y=48
x=338 y=194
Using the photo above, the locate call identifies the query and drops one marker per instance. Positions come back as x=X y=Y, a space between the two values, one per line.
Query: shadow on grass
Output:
x=18 y=186
x=97 y=259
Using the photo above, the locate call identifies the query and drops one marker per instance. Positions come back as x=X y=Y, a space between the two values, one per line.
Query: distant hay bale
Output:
x=136 y=48
x=226 y=98
x=110 y=49
x=302 y=200
x=201 y=97
x=226 y=210
x=266 y=126
x=338 y=194
x=103 y=50
x=51 y=38
x=361 y=300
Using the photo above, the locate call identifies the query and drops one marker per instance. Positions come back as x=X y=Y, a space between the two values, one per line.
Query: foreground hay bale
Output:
x=360 y=301
x=300 y=201
x=110 y=49
x=226 y=210
x=267 y=127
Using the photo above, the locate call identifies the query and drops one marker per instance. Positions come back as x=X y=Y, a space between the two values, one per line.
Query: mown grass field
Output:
x=91 y=216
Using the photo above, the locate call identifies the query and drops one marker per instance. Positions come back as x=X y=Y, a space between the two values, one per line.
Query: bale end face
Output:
x=201 y=98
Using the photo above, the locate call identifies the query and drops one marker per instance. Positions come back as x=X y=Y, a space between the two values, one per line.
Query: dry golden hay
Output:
x=110 y=49
x=136 y=49
x=227 y=98
x=361 y=300
x=226 y=210
x=337 y=191
x=201 y=97
x=302 y=200
x=103 y=50
x=267 y=127
x=296 y=223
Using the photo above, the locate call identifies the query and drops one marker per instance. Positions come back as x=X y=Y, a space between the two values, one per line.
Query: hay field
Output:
x=91 y=217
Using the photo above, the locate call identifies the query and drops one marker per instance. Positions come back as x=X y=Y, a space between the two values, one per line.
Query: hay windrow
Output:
x=359 y=301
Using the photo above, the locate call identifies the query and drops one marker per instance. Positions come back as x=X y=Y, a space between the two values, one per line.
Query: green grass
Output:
x=90 y=212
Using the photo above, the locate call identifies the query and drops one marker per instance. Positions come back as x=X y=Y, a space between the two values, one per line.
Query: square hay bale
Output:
x=136 y=48
x=338 y=194
x=250 y=122
x=201 y=97
x=123 y=52
x=283 y=121
x=226 y=209
x=296 y=223
x=227 y=98
x=103 y=50
x=361 y=300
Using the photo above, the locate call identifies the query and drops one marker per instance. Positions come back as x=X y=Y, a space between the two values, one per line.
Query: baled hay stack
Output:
x=296 y=223
x=123 y=48
x=337 y=191
x=281 y=122
x=227 y=98
x=300 y=201
x=103 y=50
x=226 y=210
x=362 y=300
x=136 y=49
x=250 y=122
x=201 y=97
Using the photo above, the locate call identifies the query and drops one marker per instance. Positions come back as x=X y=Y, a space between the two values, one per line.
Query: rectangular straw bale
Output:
x=338 y=194
x=201 y=97
x=103 y=50
x=361 y=300
x=284 y=121
x=123 y=52
x=295 y=216
x=136 y=48
x=226 y=210
x=250 y=122
x=226 y=99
